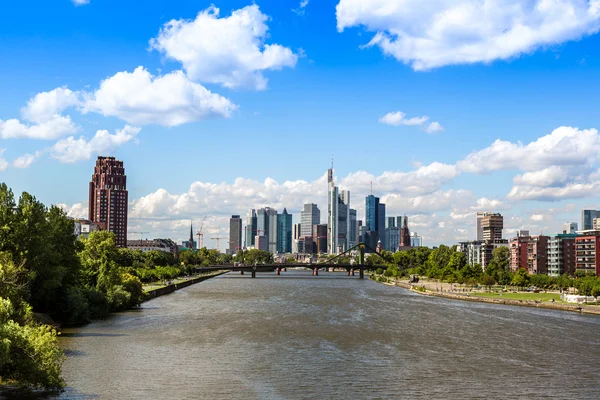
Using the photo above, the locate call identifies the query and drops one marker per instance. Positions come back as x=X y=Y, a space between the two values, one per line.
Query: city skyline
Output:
x=511 y=131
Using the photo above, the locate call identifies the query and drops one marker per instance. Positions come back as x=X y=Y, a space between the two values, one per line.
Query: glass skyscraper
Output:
x=284 y=232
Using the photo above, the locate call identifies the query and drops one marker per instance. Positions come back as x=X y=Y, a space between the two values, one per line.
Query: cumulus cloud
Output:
x=80 y=2
x=565 y=146
x=437 y=33
x=569 y=191
x=45 y=106
x=53 y=128
x=26 y=160
x=141 y=98
x=77 y=210
x=71 y=150
x=230 y=51
x=398 y=118
x=551 y=176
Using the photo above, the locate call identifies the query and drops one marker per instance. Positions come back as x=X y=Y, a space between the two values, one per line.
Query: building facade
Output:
x=587 y=219
x=320 y=238
x=309 y=216
x=570 y=228
x=405 y=240
x=284 y=232
x=166 y=245
x=530 y=253
x=352 y=229
x=83 y=227
x=251 y=228
x=561 y=254
x=235 y=234
x=392 y=238
x=108 y=198
x=491 y=226
x=587 y=257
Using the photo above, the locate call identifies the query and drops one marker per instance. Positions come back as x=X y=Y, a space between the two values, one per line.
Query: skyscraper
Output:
x=309 y=216
x=405 y=240
x=272 y=229
x=375 y=221
x=491 y=225
x=570 y=228
x=381 y=223
x=251 y=227
x=284 y=232
x=352 y=228
x=108 y=198
x=235 y=234
x=587 y=219
x=338 y=216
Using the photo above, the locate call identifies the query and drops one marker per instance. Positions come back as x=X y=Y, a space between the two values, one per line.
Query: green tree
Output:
x=521 y=278
x=29 y=353
x=97 y=259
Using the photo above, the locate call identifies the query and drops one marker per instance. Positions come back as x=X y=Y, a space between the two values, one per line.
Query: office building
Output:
x=416 y=240
x=405 y=240
x=338 y=216
x=490 y=226
x=391 y=222
x=480 y=252
x=392 y=238
x=251 y=228
x=352 y=228
x=235 y=234
x=284 y=232
x=309 y=216
x=108 y=198
x=261 y=243
x=561 y=254
x=570 y=228
x=587 y=219
x=596 y=224
x=374 y=221
x=266 y=225
x=296 y=233
x=319 y=236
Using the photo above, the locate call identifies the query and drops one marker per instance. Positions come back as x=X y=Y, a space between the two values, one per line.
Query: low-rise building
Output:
x=481 y=251
x=166 y=245
x=530 y=253
x=83 y=227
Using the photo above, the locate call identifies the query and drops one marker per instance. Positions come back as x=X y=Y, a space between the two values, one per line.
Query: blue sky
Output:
x=267 y=92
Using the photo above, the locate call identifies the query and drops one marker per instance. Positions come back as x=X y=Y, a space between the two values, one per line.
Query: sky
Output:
x=445 y=108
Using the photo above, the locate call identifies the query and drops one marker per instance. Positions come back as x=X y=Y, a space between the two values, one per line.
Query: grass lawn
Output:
x=520 y=296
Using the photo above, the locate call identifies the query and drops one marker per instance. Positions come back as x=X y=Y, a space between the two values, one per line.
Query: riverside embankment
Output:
x=583 y=308
x=161 y=291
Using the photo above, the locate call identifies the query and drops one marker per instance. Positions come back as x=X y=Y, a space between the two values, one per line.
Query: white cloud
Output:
x=3 y=162
x=301 y=10
x=140 y=98
x=26 y=160
x=551 y=176
x=45 y=106
x=230 y=51
x=434 y=127
x=565 y=146
x=569 y=191
x=53 y=128
x=77 y=210
x=81 y=2
x=71 y=150
x=398 y=118
x=437 y=33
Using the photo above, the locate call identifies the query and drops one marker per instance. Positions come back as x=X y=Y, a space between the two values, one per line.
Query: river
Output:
x=330 y=337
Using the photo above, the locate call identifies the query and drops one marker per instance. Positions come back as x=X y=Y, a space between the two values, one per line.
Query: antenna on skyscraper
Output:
x=332 y=161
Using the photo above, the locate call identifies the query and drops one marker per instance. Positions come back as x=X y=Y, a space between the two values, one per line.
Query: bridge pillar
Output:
x=254 y=273
x=362 y=273
x=315 y=272
x=277 y=271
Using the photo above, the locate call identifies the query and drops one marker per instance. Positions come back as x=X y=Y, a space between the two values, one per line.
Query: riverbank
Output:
x=167 y=289
x=584 y=309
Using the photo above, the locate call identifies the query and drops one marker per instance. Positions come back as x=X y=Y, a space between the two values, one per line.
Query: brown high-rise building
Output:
x=491 y=225
x=405 y=235
x=108 y=198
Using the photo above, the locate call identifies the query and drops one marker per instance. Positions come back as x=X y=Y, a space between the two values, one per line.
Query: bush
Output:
x=76 y=309
x=98 y=303
x=133 y=286
x=118 y=298
x=379 y=271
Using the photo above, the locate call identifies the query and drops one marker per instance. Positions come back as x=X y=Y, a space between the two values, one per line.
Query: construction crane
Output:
x=218 y=238
x=200 y=234
x=141 y=233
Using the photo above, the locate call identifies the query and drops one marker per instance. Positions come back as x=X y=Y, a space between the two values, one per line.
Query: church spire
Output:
x=191 y=243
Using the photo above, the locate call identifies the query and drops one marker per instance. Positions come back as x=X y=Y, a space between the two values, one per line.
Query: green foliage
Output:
x=521 y=278
x=379 y=271
x=254 y=256
x=133 y=286
x=29 y=353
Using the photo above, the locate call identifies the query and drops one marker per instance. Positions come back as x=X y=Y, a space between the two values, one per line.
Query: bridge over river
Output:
x=279 y=268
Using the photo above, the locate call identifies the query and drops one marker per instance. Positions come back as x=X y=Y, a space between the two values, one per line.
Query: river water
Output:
x=296 y=336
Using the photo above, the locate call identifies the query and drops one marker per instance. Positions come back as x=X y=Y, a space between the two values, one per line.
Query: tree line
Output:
x=46 y=270
x=448 y=265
